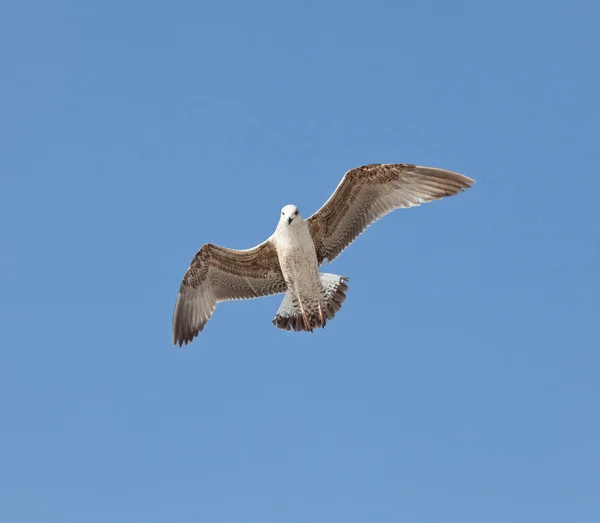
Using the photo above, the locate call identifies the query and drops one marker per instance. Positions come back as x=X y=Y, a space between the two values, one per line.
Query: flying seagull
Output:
x=289 y=260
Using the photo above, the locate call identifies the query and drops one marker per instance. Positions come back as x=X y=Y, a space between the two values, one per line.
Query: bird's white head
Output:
x=290 y=216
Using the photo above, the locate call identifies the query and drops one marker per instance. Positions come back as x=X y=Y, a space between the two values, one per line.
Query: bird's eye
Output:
x=281 y=213
x=296 y=213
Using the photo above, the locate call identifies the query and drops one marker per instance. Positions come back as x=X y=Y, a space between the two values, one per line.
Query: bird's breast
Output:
x=297 y=255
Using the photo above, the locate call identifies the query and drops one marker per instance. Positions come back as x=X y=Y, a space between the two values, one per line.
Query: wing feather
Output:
x=368 y=193
x=220 y=274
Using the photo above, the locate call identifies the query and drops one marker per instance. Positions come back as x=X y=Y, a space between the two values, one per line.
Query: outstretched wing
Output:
x=219 y=274
x=368 y=193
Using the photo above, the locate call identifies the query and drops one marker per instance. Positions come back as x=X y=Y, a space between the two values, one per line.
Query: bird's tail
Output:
x=289 y=316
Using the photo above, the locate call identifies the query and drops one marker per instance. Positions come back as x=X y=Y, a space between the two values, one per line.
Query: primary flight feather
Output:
x=289 y=260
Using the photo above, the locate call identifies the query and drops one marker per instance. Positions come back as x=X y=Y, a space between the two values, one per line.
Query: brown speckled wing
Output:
x=368 y=193
x=219 y=274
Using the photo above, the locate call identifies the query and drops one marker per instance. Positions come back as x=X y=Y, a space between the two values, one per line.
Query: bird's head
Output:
x=290 y=215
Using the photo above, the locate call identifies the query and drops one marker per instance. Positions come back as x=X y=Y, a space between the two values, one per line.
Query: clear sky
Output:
x=459 y=382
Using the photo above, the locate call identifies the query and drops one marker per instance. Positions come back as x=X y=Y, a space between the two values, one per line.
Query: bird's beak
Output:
x=290 y=220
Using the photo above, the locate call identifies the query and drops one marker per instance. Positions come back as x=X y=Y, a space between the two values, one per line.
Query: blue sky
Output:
x=459 y=383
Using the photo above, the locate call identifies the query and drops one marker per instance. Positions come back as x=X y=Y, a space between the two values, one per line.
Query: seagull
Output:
x=288 y=261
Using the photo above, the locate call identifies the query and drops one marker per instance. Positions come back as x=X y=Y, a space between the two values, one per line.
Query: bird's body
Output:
x=289 y=260
x=300 y=268
x=297 y=257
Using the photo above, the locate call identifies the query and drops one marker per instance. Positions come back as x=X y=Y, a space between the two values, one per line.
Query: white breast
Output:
x=297 y=257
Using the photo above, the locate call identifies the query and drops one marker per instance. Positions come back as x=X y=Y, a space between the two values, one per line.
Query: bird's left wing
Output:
x=219 y=274
x=368 y=193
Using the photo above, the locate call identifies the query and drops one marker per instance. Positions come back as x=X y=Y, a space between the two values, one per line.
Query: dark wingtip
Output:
x=184 y=339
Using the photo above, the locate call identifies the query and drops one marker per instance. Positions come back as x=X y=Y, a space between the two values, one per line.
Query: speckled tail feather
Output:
x=289 y=316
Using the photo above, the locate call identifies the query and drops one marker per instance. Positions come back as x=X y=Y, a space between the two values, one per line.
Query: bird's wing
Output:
x=368 y=193
x=219 y=274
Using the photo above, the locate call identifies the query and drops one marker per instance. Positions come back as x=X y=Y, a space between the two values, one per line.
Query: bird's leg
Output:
x=305 y=317
x=321 y=315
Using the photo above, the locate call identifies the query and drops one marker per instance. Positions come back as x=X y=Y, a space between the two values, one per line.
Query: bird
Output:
x=288 y=261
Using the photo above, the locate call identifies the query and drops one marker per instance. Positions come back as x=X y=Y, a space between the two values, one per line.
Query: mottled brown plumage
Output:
x=289 y=260
x=368 y=193
x=219 y=274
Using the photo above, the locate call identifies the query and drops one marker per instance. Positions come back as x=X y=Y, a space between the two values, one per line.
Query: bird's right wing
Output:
x=368 y=193
x=219 y=274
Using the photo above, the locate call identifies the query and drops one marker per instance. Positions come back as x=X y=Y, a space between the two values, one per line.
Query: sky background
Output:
x=459 y=383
